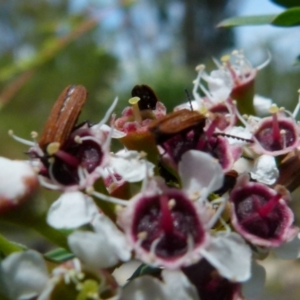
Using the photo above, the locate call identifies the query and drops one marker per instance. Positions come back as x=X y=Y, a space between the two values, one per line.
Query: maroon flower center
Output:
x=168 y=224
x=275 y=135
x=209 y=284
x=260 y=212
x=64 y=164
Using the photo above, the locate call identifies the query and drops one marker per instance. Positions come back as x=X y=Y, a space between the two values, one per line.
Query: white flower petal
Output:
x=177 y=286
x=230 y=255
x=289 y=250
x=262 y=105
x=92 y=249
x=220 y=85
x=17 y=178
x=238 y=131
x=25 y=274
x=71 y=210
x=115 y=238
x=252 y=288
x=265 y=170
x=144 y=288
x=130 y=166
x=200 y=173
x=116 y=134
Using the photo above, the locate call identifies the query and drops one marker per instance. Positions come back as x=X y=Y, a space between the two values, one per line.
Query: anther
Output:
x=200 y=68
x=142 y=235
x=78 y=139
x=136 y=111
x=171 y=203
x=52 y=148
x=273 y=109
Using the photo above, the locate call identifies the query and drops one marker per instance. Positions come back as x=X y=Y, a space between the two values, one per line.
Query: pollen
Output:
x=273 y=109
x=171 y=203
x=200 y=68
x=34 y=134
x=225 y=58
x=52 y=148
x=136 y=111
x=142 y=235
x=134 y=100
x=78 y=139
x=143 y=154
x=90 y=190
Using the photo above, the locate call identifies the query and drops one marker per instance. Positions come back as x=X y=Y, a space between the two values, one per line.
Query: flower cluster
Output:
x=198 y=195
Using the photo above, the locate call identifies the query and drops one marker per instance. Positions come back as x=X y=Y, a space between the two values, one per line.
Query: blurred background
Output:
x=109 y=46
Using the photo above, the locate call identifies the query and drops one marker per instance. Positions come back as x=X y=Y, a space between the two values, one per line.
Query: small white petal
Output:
x=130 y=166
x=92 y=249
x=25 y=274
x=71 y=210
x=239 y=132
x=115 y=238
x=262 y=105
x=230 y=255
x=289 y=250
x=220 y=85
x=144 y=288
x=116 y=134
x=200 y=173
x=265 y=170
x=252 y=288
x=177 y=286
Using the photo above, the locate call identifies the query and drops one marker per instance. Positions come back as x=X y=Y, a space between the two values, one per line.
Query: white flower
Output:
x=102 y=248
x=265 y=170
x=220 y=85
x=175 y=286
x=262 y=105
x=72 y=210
x=24 y=275
x=130 y=165
x=17 y=181
x=230 y=255
x=200 y=174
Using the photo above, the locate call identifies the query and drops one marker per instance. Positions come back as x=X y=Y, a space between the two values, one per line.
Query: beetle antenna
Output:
x=188 y=95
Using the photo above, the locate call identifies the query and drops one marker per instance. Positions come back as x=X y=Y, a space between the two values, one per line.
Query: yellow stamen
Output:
x=200 y=68
x=273 y=109
x=136 y=111
x=225 y=58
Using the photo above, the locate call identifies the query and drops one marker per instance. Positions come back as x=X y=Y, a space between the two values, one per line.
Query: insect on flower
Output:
x=179 y=122
x=68 y=155
x=63 y=116
x=148 y=98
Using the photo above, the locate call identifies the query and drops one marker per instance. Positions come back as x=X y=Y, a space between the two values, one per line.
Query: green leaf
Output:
x=58 y=255
x=290 y=17
x=145 y=270
x=287 y=3
x=247 y=20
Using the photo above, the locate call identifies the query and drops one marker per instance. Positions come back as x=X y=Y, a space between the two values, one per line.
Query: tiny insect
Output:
x=63 y=116
x=178 y=122
x=148 y=98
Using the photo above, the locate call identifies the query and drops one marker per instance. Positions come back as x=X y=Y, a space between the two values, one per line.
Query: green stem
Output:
x=30 y=216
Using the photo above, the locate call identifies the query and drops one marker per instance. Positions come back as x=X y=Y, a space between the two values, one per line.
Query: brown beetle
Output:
x=178 y=122
x=148 y=98
x=63 y=116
